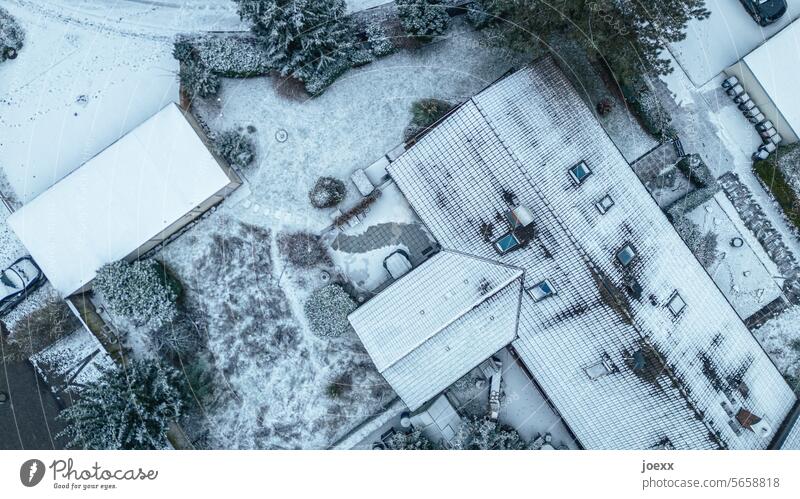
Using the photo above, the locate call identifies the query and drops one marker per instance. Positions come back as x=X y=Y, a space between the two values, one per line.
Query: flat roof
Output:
x=118 y=200
x=776 y=65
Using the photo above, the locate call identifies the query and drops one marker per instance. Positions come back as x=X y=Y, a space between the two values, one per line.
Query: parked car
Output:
x=397 y=264
x=16 y=281
x=765 y=12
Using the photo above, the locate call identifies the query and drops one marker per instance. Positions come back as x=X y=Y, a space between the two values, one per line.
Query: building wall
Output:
x=757 y=93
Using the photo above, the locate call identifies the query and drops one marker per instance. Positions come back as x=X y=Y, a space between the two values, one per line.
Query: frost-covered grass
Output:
x=276 y=374
x=780 y=337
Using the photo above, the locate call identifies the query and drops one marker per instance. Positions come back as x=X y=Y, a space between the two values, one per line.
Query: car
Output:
x=16 y=281
x=397 y=264
x=765 y=12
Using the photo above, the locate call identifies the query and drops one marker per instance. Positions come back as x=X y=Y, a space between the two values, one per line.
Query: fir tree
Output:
x=12 y=36
x=125 y=409
x=413 y=440
x=237 y=148
x=142 y=292
x=198 y=79
x=422 y=19
x=303 y=38
x=628 y=34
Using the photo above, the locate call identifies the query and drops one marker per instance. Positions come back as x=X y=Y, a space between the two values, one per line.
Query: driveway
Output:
x=725 y=37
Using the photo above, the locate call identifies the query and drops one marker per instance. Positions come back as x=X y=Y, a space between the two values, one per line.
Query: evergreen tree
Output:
x=125 y=409
x=198 y=79
x=413 y=440
x=422 y=19
x=237 y=148
x=303 y=38
x=629 y=34
x=486 y=434
x=327 y=192
x=12 y=36
x=142 y=292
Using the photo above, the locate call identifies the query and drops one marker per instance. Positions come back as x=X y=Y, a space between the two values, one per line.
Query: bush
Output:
x=424 y=113
x=198 y=79
x=703 y=246
x=303 y=249
x=183 y=50
x=142 y=292
x=413 y=440
x=378 y=38
x=775 y=181
x=327 y=309
x=131 y=409
x=486 y=434
x=327 y=192
x=322 y=77
x=179 y=337
x=39 y=329
x=237 y=148
x=12 y=36
x=693 y=168
x=422 y=19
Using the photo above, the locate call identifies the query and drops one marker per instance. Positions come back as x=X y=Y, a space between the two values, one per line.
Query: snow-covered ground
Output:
x=713 y=44
x=745 y=275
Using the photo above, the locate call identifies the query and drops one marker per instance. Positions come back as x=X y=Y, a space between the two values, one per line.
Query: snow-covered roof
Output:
x=419 y=331
x=792 y=440
x=668 y=376
x=776 y=65
x=118 y=200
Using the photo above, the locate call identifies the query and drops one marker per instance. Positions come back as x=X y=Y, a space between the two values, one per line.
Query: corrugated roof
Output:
x=519 y=138
x=439 y=321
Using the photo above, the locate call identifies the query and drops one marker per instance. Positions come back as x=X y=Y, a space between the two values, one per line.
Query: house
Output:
x=124 y=201
x=769 y=75
x=602 y=301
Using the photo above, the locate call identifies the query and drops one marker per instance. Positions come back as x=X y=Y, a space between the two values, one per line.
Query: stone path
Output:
x=413 y=236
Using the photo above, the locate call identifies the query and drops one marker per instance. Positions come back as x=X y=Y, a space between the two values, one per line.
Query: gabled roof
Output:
x=118 y=200
x=439 y=321
x=670 y=375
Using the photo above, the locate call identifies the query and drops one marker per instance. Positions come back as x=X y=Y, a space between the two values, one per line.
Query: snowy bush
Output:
x=482 y=13
x=484 y=434
x=360 y=56
x=198 y=79
x=655 y=119
x=703 y=246
x=424 y=113
x=327 y=192
x=693 y=168
x=142 y=292
x=310 y=40
x=233 y=56
x=12 y=36
x=378 y=38
x=413 y=440
x=327 y=309
x=779 y=174
x=422 y=19
x=183 y=50
x=38 y=330
x=303 y=249
x=125 y=409
x=236 y=147
x=180 y=336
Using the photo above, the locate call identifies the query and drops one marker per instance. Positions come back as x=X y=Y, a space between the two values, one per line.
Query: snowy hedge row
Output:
x=12 y=36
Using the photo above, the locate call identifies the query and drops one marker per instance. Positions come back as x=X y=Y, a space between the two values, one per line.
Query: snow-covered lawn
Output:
x=728 y=35
x=780 y=337
x=745 y=275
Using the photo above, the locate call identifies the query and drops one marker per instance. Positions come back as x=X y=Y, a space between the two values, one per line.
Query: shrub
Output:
x=342 y=385
x=693 y=167
x=703 y=246
x=378 y=38
x=303 y=249
x=198 y=79
x=40 y=329
x=327 y=309
x=129 y=409
x=775 y=181
x=322 y=77
x=422 y=19
x=181 y=336
x=358 y=209
x=424 y=113
x=183 y=50
x=141 y=292
x=413 y=440
x=12 y=36
x=327 y=192
x=486 y=434
x=237 y=148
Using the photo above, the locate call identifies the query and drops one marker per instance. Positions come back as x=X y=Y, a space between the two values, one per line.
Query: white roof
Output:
x=439 y=321
x=520 y=136
x=776 y=65
x=118 y=200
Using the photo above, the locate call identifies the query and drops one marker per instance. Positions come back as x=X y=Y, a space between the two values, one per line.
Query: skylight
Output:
x=541 y=290
x=604 y=204
x=676 y=304
x=626 y=255
x=600 y=369
x=579 y=172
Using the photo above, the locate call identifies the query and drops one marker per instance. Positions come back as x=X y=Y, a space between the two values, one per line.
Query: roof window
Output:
x=676 y=304
x=541 y=291
x=626 y=255
x=604 y=204
x=579 y=172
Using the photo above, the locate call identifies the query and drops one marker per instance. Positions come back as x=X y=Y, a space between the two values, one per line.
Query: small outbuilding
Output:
x=124 y=201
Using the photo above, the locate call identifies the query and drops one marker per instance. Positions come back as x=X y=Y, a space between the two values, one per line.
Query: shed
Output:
x=124 y=201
